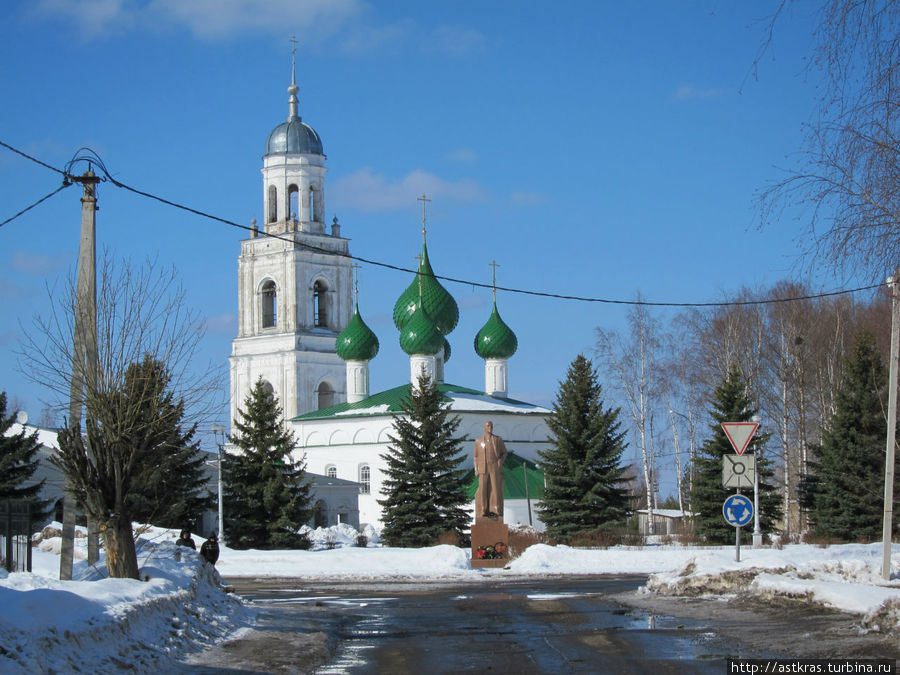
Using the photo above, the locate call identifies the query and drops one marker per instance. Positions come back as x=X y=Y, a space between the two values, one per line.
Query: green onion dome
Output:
x=447 y=350
x=438 y=302
x=496 y=340
x=357 y=342
x=420 y=335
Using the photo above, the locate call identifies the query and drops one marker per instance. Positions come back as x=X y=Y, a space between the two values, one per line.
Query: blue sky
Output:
x=596 y=149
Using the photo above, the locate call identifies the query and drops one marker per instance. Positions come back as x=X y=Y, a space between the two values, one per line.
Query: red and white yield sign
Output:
x=740 y=434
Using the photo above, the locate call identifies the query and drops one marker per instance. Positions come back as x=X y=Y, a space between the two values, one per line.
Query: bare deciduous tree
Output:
x=142 y=317
x=636 y=375
x=849 y=174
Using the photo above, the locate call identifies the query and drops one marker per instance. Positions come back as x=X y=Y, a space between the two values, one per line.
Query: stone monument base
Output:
x=488 y=532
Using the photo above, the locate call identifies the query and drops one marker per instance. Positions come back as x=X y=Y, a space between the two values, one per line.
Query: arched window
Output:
x=269 y=304
x=331 y=471
x=273 y=204
x=320 y=305
x=268 y=388
x=365 y=479
x=293 y=202
x=326 y=395
x=313 y=207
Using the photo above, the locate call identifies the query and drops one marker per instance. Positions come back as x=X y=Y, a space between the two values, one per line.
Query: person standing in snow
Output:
x=209 y=551
x=185 y=539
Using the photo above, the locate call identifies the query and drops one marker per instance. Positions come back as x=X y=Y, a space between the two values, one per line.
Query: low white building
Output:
x=348 y=440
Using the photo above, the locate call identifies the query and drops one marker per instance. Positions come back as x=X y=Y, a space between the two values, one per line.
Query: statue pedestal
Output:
x=487 y=533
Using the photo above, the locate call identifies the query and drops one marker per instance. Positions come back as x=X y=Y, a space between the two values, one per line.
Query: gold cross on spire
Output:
x=355 y=267
x=424 y=201
x=494 y=267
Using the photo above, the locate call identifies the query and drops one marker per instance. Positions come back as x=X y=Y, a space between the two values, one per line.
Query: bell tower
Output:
x=294 y=279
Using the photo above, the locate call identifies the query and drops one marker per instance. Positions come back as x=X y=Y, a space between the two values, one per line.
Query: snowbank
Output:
x=111 y=624
x=47 y=625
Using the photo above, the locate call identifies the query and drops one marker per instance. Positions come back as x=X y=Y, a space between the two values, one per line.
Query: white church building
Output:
x=300 y=330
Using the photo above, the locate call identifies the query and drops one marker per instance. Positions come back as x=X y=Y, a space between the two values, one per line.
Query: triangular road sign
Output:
x=740 y=433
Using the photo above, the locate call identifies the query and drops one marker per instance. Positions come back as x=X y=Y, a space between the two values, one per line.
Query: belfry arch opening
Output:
x=325 y=394
x=320 y=304
x=272 y=205
x=269 y=304
x=293 y=202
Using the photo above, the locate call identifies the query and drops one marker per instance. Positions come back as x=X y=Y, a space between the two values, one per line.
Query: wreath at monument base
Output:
x=494 y=552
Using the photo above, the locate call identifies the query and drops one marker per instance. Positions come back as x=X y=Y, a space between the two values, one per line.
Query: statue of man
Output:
x=489 y=455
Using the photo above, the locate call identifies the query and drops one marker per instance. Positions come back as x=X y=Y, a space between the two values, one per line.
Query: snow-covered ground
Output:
x=49 y=625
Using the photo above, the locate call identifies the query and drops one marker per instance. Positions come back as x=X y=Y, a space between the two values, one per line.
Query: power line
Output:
x=39 y=201
x=33 y=159
x=558 y=296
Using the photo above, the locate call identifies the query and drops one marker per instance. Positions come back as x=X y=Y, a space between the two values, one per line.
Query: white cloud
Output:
x=224 y=323
x=223 y=18
x=522 y=198
x=463 y=156
x=369 y=191
x=688 y=93
x=38 y=263
x=93 y=17
x=365 y=38
x=458 y=40
x=208 y=19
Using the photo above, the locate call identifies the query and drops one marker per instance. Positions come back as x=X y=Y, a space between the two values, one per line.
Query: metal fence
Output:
x=15 y=535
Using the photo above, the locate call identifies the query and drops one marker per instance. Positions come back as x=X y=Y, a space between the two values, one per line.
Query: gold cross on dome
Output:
x=424 y=201
x=355 y=267
x=494 y=265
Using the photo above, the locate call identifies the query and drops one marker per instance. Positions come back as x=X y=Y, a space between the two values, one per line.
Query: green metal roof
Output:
x=388 y=402
x=516 y=470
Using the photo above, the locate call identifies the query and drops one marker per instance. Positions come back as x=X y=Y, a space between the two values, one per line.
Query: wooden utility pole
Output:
x=887 y=528
x=84 y=360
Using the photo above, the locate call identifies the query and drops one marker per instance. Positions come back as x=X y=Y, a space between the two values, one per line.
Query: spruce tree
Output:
x=267 y=498
x=584 y=488
x=731 y=404
x=848 y=490
x=170 y=489
x=18 y=463
x=424 y=493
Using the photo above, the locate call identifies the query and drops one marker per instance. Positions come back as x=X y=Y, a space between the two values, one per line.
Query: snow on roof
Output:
x=668 y=513
x=390 y=401
x=46 y=437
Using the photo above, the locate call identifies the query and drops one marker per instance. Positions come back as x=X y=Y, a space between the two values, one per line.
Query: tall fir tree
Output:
x=267 y=498
x=170 y=489
x=847 y=493
x=17 y=465
x=731 y=403
x=584 y=488
x=424 y=492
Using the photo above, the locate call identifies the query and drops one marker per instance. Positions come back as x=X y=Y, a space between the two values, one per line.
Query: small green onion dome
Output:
x=447 y=350
x=357 y=342
x=420 y=335
x=438 y=302
x=496 y=340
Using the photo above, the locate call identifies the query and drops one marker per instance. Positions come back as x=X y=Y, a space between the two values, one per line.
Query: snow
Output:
x=179 y=606
x=471 y=402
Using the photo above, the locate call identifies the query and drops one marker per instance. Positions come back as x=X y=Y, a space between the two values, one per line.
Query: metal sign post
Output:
x=738 y=511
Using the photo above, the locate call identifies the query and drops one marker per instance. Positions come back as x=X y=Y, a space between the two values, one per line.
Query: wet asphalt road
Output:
x=565 y=625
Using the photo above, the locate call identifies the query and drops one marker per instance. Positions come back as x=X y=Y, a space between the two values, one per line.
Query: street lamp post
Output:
x=218 y=429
